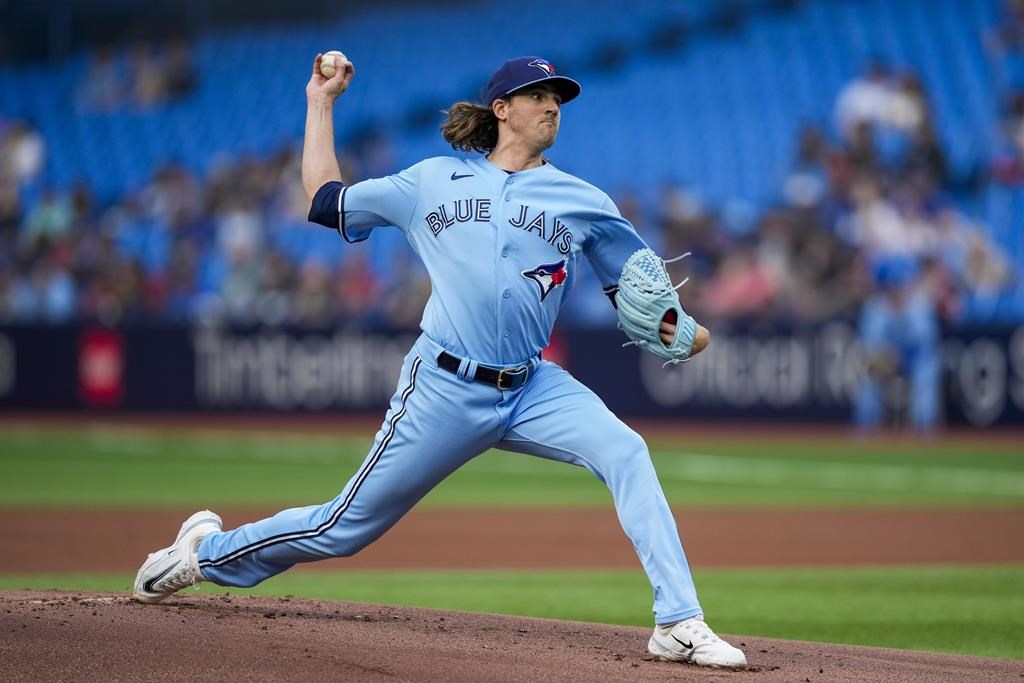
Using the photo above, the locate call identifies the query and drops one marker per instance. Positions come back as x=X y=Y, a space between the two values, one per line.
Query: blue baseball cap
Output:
x=523 y=71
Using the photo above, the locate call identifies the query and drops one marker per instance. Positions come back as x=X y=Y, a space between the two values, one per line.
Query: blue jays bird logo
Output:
x=548 y=276
x=544 y=65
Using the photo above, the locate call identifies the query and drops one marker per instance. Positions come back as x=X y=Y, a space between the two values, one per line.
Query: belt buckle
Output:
x=509 y=371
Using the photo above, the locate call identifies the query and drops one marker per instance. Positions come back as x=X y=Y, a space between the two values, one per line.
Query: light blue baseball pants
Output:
x=437 y=422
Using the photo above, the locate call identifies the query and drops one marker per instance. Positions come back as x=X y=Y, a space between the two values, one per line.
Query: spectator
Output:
x=406 y=294
x=22 y=154
x=875 y=225
x=315 y=300
x=148 y=79
x=908 y=109
x=357 y=288
x=242 y=286
x=866 y=99
x=240 y=229
x=50 y=219
x=274 y=306
x=861 y=150
x=105 y=86
x=899 y=332
x=986 y=271
x=180 y=288
x=44 y=293
x=883 y=101
x=925 y=157
x=807 y=183
x=10 y=213
x=742 y=287
x=179 y=72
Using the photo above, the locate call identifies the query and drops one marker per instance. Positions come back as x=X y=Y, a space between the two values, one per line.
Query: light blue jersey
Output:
x=501 y=249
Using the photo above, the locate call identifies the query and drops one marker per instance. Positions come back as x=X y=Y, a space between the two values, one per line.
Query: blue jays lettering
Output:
x=551 y=230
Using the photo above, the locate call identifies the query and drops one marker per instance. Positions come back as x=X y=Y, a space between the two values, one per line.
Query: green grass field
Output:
x=972 y=610
x=110 y=467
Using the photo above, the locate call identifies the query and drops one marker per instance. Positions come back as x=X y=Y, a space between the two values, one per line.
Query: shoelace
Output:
x=699 y=628
x=181 y=578
x=187 y=575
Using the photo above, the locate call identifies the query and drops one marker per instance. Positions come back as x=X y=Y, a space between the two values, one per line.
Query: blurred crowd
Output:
x=868 y=195
x=186 y=248
x=148 y=76
x=874 y=191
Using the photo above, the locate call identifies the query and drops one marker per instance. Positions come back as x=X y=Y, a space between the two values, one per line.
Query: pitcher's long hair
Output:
x=471 y=127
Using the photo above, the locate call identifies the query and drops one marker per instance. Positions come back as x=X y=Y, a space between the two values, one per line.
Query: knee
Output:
x=346 y=547
x=347 y=539
x=635 y=444
x=629 y=450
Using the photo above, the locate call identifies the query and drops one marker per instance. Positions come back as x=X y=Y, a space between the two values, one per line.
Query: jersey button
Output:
x=504 y=252
x=506 y=294
x=508 y=198
x=507 y=333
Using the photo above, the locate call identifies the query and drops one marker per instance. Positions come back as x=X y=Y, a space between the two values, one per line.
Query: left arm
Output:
x=612 y=240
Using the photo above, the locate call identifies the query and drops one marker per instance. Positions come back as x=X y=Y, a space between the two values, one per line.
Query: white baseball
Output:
x=327 y=67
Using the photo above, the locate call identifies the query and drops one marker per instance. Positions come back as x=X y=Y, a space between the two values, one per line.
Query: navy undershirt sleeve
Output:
x=325 y=204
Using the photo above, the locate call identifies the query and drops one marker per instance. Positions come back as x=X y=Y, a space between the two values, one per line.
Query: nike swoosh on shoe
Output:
x=148 y=586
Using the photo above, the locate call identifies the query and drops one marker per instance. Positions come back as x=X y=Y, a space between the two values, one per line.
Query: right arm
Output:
x=319 y=164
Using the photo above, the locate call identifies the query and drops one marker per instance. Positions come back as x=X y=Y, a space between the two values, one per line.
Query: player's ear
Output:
x=500 y=109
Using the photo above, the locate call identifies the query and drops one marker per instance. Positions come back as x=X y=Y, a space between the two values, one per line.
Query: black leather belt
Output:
x=502 y=378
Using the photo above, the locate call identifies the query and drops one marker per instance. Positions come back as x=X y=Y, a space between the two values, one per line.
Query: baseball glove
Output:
x=644 y=298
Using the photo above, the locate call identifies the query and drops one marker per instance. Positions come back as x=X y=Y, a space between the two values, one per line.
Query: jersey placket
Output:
x=506 y=259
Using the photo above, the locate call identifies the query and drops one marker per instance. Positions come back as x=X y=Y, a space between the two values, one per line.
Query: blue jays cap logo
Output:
x=544 y=65
x=548 y=276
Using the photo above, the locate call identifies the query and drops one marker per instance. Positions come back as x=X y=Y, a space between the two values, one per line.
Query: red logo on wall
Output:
x=101 y=368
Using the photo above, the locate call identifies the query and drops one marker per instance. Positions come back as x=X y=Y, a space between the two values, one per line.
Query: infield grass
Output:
x=964 y=610
x=92 y=466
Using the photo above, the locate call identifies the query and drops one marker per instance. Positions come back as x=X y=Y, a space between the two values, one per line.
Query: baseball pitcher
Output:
x=501 y=235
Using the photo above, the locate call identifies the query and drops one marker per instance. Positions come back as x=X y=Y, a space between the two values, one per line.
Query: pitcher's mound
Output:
x=50 y=635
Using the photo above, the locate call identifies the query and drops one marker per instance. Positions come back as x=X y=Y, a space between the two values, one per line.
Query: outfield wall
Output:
x=802 y=375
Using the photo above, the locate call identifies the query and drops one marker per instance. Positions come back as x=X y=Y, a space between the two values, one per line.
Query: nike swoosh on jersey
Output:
x=456 y=176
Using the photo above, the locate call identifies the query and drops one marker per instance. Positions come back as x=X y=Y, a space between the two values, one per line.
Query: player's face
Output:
x=534 y=115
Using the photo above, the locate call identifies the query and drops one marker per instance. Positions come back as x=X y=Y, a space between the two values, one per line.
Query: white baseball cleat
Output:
x=693 y=641
x=167 y=571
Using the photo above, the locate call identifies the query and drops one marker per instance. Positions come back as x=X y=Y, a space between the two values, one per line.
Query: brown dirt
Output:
x=47 y=540
x=100 y=637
